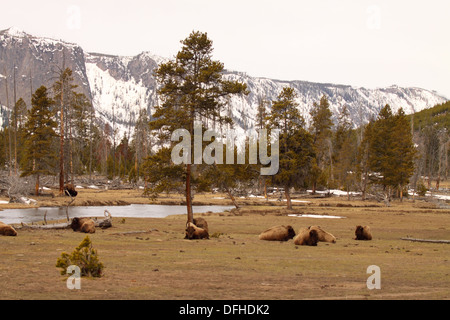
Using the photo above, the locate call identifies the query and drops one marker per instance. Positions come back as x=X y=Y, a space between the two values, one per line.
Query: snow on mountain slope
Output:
x=117 y=102
x=362 y=103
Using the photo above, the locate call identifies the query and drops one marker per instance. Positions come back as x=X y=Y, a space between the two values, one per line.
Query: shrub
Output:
x=421 y=189
x=85 y=257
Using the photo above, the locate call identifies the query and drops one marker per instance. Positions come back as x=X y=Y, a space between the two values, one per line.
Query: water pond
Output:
x=12 y=216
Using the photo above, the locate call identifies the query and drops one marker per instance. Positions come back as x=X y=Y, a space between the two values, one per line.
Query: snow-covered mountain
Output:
x=120 y=86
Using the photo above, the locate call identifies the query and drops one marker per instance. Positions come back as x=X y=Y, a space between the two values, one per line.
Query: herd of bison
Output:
x=198 y=229
x=305 y=237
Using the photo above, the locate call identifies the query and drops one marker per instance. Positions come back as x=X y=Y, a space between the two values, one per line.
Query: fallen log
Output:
x=426 y=240
x=55 y=226
x=104 y=223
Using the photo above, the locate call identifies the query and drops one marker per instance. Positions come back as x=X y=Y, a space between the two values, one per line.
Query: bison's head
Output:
x=359 y=232
x=75 y=225
x=313 y=238
x=291 y=232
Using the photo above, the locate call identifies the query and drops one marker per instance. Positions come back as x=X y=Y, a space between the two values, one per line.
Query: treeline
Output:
x=59 y=135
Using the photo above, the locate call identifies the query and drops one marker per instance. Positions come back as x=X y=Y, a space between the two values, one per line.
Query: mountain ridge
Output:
x=119 y=86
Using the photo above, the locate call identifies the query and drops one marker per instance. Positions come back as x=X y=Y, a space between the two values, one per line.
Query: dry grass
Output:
x=160 y=264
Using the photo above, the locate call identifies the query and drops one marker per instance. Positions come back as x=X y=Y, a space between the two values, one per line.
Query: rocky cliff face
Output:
x=120 y=86
x=35 y=61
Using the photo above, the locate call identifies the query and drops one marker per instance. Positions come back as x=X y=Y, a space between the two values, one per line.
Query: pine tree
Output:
x=39 y=157
x=391 y=155
x=404 y=151
x=80 y=133
x=141 y=142
x=345 y=152
x=321 y=129
x=296 y=145
x=74 y=114
x=363 y=168
x=192 y=88
x=161 y=174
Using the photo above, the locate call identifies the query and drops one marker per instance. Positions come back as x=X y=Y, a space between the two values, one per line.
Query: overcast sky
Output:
x=369 y=43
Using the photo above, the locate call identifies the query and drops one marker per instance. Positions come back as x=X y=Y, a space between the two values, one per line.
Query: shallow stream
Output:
x=12 y=216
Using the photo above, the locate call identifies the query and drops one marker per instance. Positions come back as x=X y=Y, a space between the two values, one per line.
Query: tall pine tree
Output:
x=192 y=88
x=391 y=155
x=296 y=144
x=39 y=157
x=321 y=129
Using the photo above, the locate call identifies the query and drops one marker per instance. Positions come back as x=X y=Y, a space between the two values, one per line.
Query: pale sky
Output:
x=369 y=43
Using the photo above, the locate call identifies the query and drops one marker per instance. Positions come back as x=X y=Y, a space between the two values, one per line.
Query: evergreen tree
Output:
x=404 y=151
x=321 y=129
x=62 y=89
x=192 y=88
x=161 y=174
x=141 y=142
x=39 y=157
x=80 y=133
x=74 y=113
x=391 y=155
x=345 y=152
x=363 y=168
x=296 y=145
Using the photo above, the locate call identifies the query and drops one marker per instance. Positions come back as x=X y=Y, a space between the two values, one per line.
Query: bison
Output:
x=86 y=225
x=70 y=189
x=363 y=233
x=7 y=230
x=194 y=232
x=323 y=235
x=201 y=223
x=278 y=233
x=307 y=237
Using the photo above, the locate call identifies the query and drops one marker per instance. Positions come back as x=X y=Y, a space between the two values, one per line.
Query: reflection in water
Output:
x=10 y=216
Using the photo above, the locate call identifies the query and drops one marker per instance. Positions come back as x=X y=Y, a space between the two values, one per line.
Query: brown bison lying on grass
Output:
x=7 y=230
x=363 y=233
x=194 y=232
x=201 y=223
x=86 y=225
x=323 y=235
x=278 y=233
x=307 y=237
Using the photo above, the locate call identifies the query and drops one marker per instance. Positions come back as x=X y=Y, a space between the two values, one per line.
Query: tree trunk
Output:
x=288 y=198
x=265 y=189
x=37 y=185
x=232 y=199
x=190 y=214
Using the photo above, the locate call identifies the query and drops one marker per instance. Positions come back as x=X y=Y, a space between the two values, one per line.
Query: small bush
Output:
x=216 y=235
x=84 y=257
x=421 y=189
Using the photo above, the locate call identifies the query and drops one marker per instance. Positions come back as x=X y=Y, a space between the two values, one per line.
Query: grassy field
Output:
x=160 y=264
